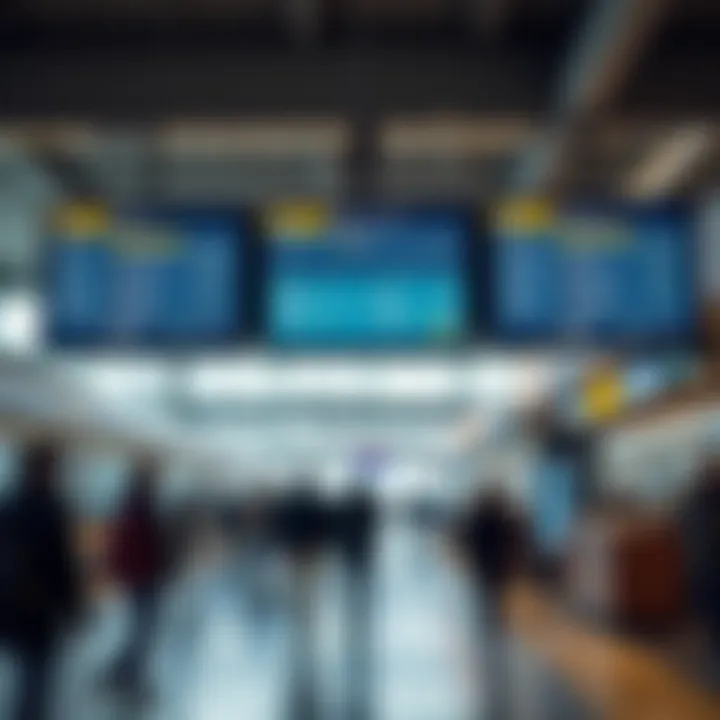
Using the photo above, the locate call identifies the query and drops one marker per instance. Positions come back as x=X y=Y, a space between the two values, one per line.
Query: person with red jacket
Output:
x=137 y=561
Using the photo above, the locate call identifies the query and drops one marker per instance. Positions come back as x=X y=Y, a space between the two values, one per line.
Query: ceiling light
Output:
x=326 y=137
x=19 y=323
x=670 y=163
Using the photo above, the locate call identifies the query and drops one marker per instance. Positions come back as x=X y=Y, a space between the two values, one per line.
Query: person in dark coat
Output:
x=303 y=531
x=138 y=562
x=488 y=539
x=355 y=531
x=356 y=526
x=303 y=524
x=700 y=521
x=43 y=596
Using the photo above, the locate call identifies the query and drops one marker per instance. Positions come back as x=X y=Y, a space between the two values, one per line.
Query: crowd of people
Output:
x=43 y=595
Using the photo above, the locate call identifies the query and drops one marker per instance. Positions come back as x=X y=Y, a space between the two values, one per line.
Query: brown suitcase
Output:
x=629 y=571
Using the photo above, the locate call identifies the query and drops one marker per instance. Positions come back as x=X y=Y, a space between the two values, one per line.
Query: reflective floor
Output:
x=225 y=650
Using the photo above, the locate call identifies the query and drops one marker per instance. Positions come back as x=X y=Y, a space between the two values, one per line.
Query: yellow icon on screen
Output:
x=298 y=221
x=81 y=221
x=526 y=215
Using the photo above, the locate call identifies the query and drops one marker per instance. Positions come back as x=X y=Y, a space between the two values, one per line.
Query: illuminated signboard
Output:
x=596 y=273
x=385 y=278
x=142 y=279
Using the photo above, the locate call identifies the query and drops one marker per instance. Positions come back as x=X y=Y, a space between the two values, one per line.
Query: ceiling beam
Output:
x=605 y=54
x=304 y=19
x=673 y=163
x=491 y=16
x=124 y=84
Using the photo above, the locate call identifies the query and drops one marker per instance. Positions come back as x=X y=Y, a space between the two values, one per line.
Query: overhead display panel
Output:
x=597 y=273
x=366 y=278
x=528 y=270
x=145 y=279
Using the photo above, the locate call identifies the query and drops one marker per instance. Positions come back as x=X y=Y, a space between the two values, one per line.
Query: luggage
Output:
x=629 y=571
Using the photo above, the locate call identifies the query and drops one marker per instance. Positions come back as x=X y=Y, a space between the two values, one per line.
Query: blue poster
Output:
x=386 y=278
x=140 y=279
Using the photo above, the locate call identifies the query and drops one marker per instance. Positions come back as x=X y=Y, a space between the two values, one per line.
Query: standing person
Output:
x=700 y=520
x=356 y=520
x=256 y=563
x=40 y=585
x=194 y=586
x=488 y=539
x=303 y=530
x=137 y=560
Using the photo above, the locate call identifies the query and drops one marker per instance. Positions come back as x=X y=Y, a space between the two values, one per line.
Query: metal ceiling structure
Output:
x=560 y=95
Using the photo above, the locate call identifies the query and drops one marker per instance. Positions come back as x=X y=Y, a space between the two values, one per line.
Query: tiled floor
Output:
x=623 y=678
x=216 y=659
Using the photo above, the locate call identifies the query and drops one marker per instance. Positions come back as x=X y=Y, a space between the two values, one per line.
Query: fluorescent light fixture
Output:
x=452 y=137
x=19 y=323
x=670 y=163
x=322 y=136
x=426 y=381
x=126 y=381
x=323 y=379
x=215 y=380
x=327 y=379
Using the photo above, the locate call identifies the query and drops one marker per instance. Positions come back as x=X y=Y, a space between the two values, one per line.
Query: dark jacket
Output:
x=302 y=521
x=48 y=592
x=355 y=519
x=488 y=537
x=700 y=522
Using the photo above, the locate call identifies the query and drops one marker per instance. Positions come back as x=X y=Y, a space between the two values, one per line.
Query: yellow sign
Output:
x=301 y=221
x=529 y=215
x=81 y=221
x=603 y=394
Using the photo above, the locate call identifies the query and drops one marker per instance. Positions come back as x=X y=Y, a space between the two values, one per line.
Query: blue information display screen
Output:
x=595 y=273
x=162 y=278
x=386 y=278
x=529 y=271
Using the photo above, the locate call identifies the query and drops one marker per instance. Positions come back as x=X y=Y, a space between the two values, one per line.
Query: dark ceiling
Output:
x=598 y=82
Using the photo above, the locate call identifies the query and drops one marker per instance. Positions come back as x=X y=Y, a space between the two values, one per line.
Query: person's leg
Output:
x=714 y=647
x=146 y=616
x=303 y=700
x=358 y=684
x=494 y=641
x=121 y=670
x=35 y=663
x=128 y=669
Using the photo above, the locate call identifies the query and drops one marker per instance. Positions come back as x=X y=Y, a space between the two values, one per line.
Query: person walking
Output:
x=40 y=589
x=700 y=523
x=138 y=562
x=488 y=538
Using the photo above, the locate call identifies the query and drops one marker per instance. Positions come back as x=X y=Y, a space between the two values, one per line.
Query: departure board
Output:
x=144 y=278
x=601 y=273
x=528 y=270
x=366 y=278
